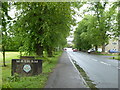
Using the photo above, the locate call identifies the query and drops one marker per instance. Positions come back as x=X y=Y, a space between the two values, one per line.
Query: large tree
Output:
x=97 y=25
x=42 y=25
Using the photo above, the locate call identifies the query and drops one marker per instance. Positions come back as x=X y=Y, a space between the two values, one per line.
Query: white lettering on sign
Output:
x=27 y=61
x=35 y=61
x=27 y=68
x=32 y=61
x=18 y=61
x=22 y=61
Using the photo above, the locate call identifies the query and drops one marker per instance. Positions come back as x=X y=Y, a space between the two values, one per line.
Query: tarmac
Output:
x=65 y=75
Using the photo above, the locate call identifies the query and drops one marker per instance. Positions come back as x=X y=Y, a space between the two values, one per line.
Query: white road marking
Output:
x=94 y=59
x=104 y=63
x=101 y=62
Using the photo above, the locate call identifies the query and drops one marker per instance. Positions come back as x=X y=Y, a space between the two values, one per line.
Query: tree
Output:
x=4 y=24
x=105 y=19
x=98 y=24
x=42 y=25
x=81 y=39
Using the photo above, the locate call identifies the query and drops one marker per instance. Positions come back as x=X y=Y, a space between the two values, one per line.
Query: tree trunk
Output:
x=96 y=48
x=20 y=53
x=3 y=49
x=103 y=48
x=39 y=50
x=119 y=45
x=49 y=52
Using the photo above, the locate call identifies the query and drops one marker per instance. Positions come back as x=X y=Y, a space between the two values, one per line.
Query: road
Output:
x=100 y=69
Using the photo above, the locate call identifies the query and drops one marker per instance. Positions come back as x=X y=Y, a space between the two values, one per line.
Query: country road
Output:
x=100 y=69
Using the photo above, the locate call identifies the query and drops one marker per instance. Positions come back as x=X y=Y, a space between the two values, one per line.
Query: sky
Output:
x=12 y=12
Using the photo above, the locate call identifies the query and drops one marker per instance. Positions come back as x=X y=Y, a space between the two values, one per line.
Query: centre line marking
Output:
x=104 y=63
x=94 y=59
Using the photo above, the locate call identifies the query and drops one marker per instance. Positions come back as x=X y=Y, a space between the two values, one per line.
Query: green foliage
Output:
x=37 y=26
x=93 y=29
x=42 y=24
x=5 y=22
x=14 y=78
x=6 y=85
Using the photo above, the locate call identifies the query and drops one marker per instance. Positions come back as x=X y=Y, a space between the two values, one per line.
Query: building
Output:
x=113 y=45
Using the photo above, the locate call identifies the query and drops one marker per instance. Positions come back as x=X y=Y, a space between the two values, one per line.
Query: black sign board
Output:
x=26 y=67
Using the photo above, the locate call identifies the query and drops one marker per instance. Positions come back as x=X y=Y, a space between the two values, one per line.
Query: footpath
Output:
x=65 y=75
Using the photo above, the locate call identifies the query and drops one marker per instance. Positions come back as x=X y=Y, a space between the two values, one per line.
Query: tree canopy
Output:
x=95 y=29
x=42 y=25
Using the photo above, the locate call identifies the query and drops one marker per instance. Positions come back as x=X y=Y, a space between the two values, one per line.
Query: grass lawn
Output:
x=9 y=56
x=117 y=57
x=38 y=81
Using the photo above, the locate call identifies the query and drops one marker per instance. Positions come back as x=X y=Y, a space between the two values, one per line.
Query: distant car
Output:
x=113 y=51
x=65 y=49
x=74 y=50
x=99 y=50
x=91 y=50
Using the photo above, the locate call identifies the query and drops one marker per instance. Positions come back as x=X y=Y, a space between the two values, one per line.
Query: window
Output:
x=114 y=43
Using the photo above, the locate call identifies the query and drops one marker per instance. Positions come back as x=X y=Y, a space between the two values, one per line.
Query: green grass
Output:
x=38 y=81
x=9 y=56
x=117 y=57
x=107 y=54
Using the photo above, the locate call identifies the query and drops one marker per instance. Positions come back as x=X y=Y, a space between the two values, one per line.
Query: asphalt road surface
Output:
x=101 y=70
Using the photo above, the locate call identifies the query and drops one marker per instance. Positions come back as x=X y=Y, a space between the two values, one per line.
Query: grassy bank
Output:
x=38 y=81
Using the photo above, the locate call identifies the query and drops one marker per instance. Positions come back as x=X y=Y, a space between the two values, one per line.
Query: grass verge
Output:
x=107 y=54
x=37 y=81
x=85 y=76
x=116 y=58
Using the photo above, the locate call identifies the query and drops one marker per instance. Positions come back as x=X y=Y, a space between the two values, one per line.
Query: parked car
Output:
x=113 y=51
x=99 y=50
x=64 y=49
x=74 y=50
x=91 y=50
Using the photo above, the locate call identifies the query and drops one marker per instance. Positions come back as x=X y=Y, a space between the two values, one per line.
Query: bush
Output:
x=14 y=78
x=6 y=85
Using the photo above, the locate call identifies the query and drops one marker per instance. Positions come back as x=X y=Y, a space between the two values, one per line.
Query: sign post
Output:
x=26 y=67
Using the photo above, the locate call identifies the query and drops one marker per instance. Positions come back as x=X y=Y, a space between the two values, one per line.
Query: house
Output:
x=113 y=45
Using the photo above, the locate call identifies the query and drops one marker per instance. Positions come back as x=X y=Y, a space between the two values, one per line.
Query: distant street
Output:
x=100 y=69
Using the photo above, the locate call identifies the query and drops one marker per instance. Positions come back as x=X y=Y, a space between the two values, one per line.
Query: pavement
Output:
x=65 y=75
